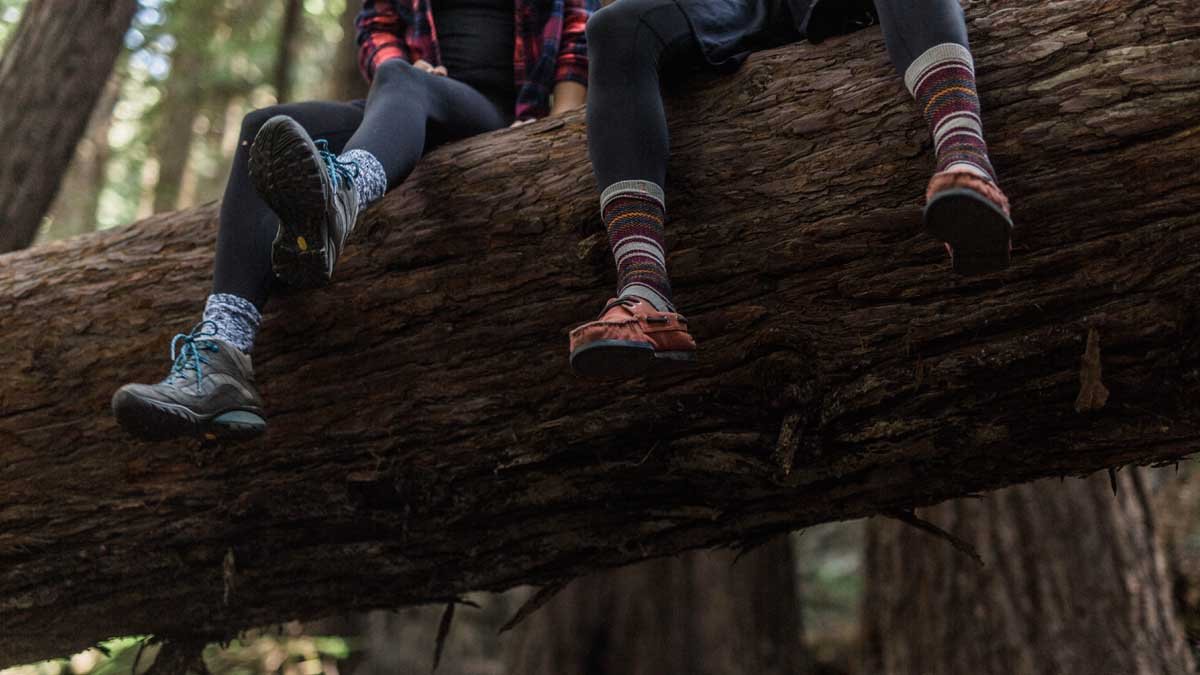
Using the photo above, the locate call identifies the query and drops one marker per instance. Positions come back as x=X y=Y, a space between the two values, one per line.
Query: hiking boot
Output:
x=971 y=216
x=629 y=338
x=209 y=393
x=313 y=194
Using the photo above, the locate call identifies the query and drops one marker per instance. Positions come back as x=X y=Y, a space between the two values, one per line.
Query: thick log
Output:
x=427 y=438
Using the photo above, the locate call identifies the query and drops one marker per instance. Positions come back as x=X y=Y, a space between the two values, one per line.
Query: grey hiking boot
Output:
x=313 y=194
x=209 y=393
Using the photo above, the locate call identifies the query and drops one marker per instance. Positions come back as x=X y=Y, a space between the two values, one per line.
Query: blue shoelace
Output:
x=191 y=354
x=338 y=169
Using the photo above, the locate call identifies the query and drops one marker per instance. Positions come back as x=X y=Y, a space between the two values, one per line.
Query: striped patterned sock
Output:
x=633 y=213
x=942 y=80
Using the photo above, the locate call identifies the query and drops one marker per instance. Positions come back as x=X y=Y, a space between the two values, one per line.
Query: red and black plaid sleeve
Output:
x=572 y=63
x=381 y=34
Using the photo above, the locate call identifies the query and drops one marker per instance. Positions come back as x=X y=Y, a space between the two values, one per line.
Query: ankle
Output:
x=371 y=181
x=235 y=320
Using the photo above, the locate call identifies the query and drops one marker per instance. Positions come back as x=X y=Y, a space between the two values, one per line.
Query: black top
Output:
x=476 y=41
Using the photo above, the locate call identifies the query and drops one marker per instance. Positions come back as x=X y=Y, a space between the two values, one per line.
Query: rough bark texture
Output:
x=698 y=613
x=428 y=439
x=1075 y=582
x=52 y=73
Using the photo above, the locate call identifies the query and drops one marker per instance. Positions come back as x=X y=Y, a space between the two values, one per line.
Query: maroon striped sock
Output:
x=942 y=80
x=633 y=213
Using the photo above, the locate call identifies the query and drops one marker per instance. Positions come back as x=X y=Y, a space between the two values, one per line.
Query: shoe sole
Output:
x=978 y=231
x=625 y=359
x=289 y=176
x=157 y=420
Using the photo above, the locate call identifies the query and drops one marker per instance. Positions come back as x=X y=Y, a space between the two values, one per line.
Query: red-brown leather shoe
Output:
x=629 y=338
x=971 y=216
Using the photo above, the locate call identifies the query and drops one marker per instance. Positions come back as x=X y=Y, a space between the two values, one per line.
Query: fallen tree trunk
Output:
x=427 y=438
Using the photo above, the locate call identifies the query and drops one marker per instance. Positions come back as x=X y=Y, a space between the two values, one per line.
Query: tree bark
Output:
x=1075 y=582
x=51 y=75
x=698 y=613
x=427 y=438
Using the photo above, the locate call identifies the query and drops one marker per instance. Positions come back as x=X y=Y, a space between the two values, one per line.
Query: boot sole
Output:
x=625 y=359
x=157 y=420
x=289 y=176
x=978 y=231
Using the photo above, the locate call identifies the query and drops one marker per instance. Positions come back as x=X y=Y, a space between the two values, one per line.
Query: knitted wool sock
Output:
x=633 y=213
x=371 y=182
x=236 y=319
x=942 y=80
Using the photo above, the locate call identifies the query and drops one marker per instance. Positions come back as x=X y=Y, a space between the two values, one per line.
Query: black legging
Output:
x=631 y=42
x=407 y=113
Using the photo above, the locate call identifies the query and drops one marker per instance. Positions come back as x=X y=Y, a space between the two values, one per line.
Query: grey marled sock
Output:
x=236 y=319
x=371 y=183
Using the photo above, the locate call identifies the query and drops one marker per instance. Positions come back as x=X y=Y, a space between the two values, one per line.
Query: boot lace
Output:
x=187 y=351
x=339 y=169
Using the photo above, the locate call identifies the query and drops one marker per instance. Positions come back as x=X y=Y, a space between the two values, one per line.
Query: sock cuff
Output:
x=363 y=158
x=660 y=302
x=371 y=183
x=936 y=55
x=642 y=189
x=970 y=167
x=236 y=303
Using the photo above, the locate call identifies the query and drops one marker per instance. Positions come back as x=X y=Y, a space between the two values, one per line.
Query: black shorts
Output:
x=728 y=30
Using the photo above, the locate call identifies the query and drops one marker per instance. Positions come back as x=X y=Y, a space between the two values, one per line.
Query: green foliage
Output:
x=10 y=15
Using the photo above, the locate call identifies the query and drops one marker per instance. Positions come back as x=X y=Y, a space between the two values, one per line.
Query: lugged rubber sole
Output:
x=157 y=420
x=978 y=231
x=625 y=359
x=290 y=176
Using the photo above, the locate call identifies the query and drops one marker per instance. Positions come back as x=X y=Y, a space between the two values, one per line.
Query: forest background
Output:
x=161 y=138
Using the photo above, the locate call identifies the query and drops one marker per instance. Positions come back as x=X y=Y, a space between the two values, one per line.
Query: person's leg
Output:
x=248 y=226
x=400 y=94
x=318 y=194
x=629 y=44
x=927 y=41
x=210 y=390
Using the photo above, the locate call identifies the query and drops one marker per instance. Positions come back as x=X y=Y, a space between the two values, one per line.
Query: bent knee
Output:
x=613 y=25
x=395 y=71
x=255 y=119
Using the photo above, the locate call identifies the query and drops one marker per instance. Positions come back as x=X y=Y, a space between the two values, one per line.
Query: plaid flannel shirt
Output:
x=550 y=43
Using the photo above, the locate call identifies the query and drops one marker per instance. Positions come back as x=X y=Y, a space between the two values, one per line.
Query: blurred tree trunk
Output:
x=184 y=92
x=289 y=34
x=51 y=76
x=347 y=83
x=697 y=613
x=74 y=210
x=1075 y=582
x=1177 y=502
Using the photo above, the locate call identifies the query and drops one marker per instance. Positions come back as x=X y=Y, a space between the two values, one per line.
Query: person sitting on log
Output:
x=291 y=201
x=632 y=43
